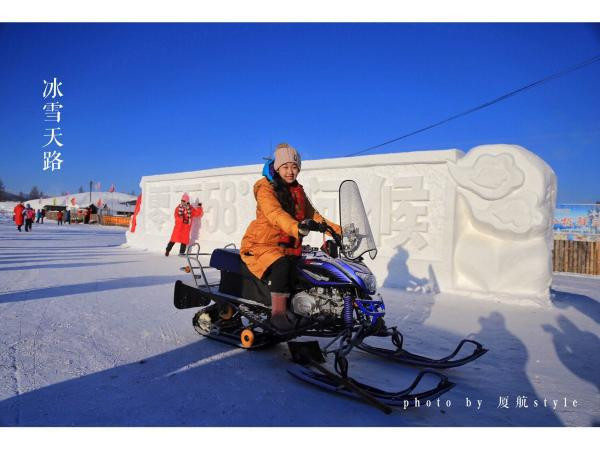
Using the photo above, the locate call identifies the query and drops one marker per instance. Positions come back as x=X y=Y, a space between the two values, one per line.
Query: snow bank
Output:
x=6 y=211
x=8 y=207
x=80 y=200
x=478 y=223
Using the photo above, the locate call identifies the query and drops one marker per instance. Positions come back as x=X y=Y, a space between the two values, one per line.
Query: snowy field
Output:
x=89 y=337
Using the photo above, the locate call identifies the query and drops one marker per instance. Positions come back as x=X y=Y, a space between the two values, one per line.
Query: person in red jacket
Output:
x=183 y=224
x=18 y=210
x=29 y=214
x=59 y=218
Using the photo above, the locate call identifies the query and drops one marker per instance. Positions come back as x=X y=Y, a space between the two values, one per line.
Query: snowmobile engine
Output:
x=318 y=301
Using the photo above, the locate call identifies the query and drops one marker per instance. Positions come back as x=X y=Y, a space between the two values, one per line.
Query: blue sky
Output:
x=142 y=99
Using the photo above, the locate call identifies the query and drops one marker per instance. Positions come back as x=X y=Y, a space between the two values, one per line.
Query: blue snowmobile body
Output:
x=334 y=297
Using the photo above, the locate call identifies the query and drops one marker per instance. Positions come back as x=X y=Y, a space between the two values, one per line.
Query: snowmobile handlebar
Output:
x=336 y=237
x=324 y=227
x=313 y=225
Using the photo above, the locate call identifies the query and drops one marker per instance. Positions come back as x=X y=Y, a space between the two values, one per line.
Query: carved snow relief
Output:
x=479 y=222
x=503 y=237
x=490 y=176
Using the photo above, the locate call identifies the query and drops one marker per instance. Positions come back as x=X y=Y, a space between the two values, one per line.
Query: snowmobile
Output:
x=334 y=297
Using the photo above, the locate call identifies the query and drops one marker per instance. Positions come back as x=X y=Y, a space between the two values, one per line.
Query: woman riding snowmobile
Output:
x=273 y=241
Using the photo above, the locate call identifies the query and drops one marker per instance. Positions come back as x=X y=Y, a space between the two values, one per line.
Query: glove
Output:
x=308 y=225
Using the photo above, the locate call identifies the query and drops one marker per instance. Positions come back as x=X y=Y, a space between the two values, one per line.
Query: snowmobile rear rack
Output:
x=194 y=265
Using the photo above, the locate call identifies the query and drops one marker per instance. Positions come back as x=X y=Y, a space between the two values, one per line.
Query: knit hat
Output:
x=285 y=153
x=185 y=197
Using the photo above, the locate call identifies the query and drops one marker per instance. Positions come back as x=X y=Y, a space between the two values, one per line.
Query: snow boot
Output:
x=279 y=318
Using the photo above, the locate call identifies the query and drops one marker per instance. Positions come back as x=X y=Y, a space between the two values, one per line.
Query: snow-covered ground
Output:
x=89 y=336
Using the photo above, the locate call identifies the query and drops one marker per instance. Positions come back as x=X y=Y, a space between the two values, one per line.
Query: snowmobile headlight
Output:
x=369 y=280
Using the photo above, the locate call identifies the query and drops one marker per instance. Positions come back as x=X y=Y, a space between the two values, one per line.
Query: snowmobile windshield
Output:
x=357 y=238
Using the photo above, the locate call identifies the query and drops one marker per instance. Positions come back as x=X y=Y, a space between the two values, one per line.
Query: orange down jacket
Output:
x=260 y=245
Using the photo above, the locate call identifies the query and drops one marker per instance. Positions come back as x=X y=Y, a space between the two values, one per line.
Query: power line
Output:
x=486 y=104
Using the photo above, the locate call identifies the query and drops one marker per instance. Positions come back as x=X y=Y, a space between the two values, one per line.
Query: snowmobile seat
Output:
x=236 y=278
x=228 y=262
x=226 y=259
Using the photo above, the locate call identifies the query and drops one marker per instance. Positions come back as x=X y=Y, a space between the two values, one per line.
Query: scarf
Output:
x=185 y=212
x=294 y=246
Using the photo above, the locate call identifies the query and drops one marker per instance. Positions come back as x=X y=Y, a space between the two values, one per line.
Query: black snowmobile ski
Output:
x=397 y=399
x=307 y=355
x=405 y=357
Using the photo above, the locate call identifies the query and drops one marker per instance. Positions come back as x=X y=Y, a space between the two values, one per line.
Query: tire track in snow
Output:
x=207 y=360
x=16 y=381
x=15 y=372
x=163 y=336
x=169 y=333
x=114 y=358
x=36 y=336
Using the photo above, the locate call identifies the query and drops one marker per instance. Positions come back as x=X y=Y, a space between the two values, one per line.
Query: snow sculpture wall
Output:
x=442 y=220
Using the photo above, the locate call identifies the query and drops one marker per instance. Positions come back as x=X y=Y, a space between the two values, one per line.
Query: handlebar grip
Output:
x=312 y=225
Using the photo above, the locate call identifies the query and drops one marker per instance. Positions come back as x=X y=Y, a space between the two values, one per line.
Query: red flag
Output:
x=112 y=188
x=138 y=205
